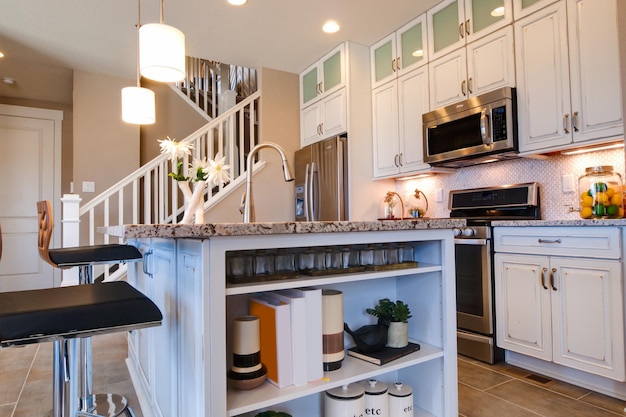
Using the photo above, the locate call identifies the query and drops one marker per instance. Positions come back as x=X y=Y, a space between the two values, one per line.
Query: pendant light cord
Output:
x=138 y=26
x=162 y=11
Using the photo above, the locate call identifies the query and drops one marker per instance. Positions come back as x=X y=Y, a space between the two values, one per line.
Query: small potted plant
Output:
x=397 y=314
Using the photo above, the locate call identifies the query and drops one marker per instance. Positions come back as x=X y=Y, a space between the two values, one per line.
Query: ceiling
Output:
x=100 y=35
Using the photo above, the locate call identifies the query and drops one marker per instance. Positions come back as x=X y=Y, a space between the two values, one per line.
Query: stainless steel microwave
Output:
x=477 y=130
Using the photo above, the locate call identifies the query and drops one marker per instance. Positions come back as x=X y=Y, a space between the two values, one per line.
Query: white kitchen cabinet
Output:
x=453 y=23
x=484 y=65
x=563 y=309
x=398 y=135
x=400 y=52
x=568 y=96
x=324 y=77
x=324 y=118
x=204 y=306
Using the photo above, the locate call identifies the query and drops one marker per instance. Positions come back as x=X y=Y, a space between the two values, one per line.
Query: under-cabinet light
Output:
x=593 y=149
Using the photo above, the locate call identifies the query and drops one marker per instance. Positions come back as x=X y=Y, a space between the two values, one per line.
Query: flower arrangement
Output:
x=416 y=210
x=201 y=172
x=390 y=202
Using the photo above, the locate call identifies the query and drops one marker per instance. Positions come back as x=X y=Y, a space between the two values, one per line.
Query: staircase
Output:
x=149 y=195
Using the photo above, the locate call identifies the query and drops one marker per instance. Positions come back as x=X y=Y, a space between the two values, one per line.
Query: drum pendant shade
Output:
x=138 y=105
x=161 y=52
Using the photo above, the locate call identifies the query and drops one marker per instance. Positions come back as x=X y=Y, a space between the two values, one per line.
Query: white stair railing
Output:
x=150 y=196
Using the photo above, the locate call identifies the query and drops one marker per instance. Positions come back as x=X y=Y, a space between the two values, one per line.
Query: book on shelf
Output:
x=297 y=304
x=385 y=355
x=275 y=326
x=314 y=348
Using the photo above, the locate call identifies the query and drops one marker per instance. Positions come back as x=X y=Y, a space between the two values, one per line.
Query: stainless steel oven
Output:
x=473 y=248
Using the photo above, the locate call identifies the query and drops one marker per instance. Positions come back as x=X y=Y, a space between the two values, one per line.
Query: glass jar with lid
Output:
x=601 y=193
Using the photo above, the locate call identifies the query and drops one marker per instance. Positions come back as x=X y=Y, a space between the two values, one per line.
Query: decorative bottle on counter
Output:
x=601 y=193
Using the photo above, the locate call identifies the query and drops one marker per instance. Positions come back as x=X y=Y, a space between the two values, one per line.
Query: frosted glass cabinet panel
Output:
x=324 y=77
x=332 y=71
x=309 y=85
x=523 y=8
x=486 y=13
x=399 y=52
x=444 y=24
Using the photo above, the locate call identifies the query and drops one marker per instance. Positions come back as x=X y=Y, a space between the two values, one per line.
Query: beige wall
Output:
x=174 y=118
x=621 y=20
x=106 y=149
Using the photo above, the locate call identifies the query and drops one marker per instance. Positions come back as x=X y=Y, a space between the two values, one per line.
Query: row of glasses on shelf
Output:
x=263 y=264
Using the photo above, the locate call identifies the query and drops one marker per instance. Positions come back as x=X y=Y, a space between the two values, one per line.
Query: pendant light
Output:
x=162 y=51
x=138 y=102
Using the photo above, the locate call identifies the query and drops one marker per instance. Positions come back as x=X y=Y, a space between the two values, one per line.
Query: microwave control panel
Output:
x=498 y=120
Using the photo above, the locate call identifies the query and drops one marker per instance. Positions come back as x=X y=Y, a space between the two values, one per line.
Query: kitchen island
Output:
x=180 y=368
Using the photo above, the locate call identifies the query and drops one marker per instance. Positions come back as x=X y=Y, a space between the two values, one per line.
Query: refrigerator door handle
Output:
x=312 y=199
x=306 y=193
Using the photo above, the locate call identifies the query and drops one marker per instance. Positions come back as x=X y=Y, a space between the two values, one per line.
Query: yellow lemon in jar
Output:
x=620 y=212
x=586 y=212
x=616 y=199
x=586 y=201
x=610 y=192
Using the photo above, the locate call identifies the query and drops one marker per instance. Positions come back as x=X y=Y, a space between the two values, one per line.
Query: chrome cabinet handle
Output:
x=144 y=267
x=552 y=272
x=469 y=86
x=307 y=202
x=549 y=240
x=461 y=30
x=400 y=159
x=566 y=123
x=467 y=27
x=398 y=63
x=322 y=128
x=395 y=160
x=393 y=65
x=463 y=87
x=575 y=121
x=543 y=278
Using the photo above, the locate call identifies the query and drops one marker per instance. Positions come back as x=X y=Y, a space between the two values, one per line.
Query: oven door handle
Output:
x=474 y=242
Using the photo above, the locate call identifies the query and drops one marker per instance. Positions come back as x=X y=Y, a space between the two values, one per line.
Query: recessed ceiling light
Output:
x=237 y=2
x=330 y=27
x=1 y=54
x=498 y=11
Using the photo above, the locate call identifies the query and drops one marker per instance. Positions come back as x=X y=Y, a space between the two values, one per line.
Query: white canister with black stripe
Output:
x=376 y=398
x=345 y=401
x=400 y=400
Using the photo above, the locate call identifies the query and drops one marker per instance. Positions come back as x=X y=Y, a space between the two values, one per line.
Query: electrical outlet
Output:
x=567 y=183
x=89 y=187
x=439 y=195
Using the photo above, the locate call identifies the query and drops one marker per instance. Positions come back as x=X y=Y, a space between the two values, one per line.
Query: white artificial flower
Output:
x=198 y=169
x=175 y=149
x=218 y=170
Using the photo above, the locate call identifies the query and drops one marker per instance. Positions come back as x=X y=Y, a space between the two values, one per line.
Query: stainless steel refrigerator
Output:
x=322 y=181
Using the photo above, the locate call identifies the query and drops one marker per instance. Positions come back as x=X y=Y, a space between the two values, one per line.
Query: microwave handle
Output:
x=484 y=128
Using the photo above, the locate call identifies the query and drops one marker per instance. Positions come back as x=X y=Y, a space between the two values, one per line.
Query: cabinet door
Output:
x=411 y=45
x=587 y=316
x=334 y=119
x=448 y=83
x=309 y=85
x=522 y=8
x=594 y=69
x=446 y=28
x=413 y=102
x=310 y=120
x=542 y=70
x=164 y=337
x=385 y=126
x=491 y=62
x=486 y=16
x=332 y=70
x=383 y=60
x=523 y=304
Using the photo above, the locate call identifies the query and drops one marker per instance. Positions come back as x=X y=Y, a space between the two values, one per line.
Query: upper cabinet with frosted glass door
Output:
x=523 y=8
x=400 y=52
x=324 y=77
x=453 y=23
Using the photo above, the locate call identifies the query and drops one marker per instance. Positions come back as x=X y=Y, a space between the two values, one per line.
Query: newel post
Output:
x=70 y=222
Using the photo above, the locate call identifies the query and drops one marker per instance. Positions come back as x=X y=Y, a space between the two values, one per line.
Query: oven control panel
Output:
x=476 y=232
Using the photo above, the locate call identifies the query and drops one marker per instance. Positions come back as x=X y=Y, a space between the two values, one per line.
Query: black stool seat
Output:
x=96 y=254
x=77 y=311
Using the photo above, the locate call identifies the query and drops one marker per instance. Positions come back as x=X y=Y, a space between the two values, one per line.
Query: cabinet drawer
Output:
x=586 y=242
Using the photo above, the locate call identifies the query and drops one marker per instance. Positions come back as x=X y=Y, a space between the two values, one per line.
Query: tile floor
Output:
x=503 y=390
x=26 y=376
x=485 y=390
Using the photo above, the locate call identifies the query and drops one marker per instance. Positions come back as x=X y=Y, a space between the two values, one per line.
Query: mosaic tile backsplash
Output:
x=555 y=204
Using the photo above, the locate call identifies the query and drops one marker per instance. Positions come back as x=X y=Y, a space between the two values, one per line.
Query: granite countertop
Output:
x=573 y=222
x=200 y=231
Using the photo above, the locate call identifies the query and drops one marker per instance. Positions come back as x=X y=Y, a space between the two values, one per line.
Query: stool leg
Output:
x=86 y=384
x=60 y=375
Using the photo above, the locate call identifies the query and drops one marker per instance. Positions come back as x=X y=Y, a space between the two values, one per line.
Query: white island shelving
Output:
x=179 y=369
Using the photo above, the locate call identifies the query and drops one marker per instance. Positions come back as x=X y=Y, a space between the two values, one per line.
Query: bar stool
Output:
x=85 y=257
